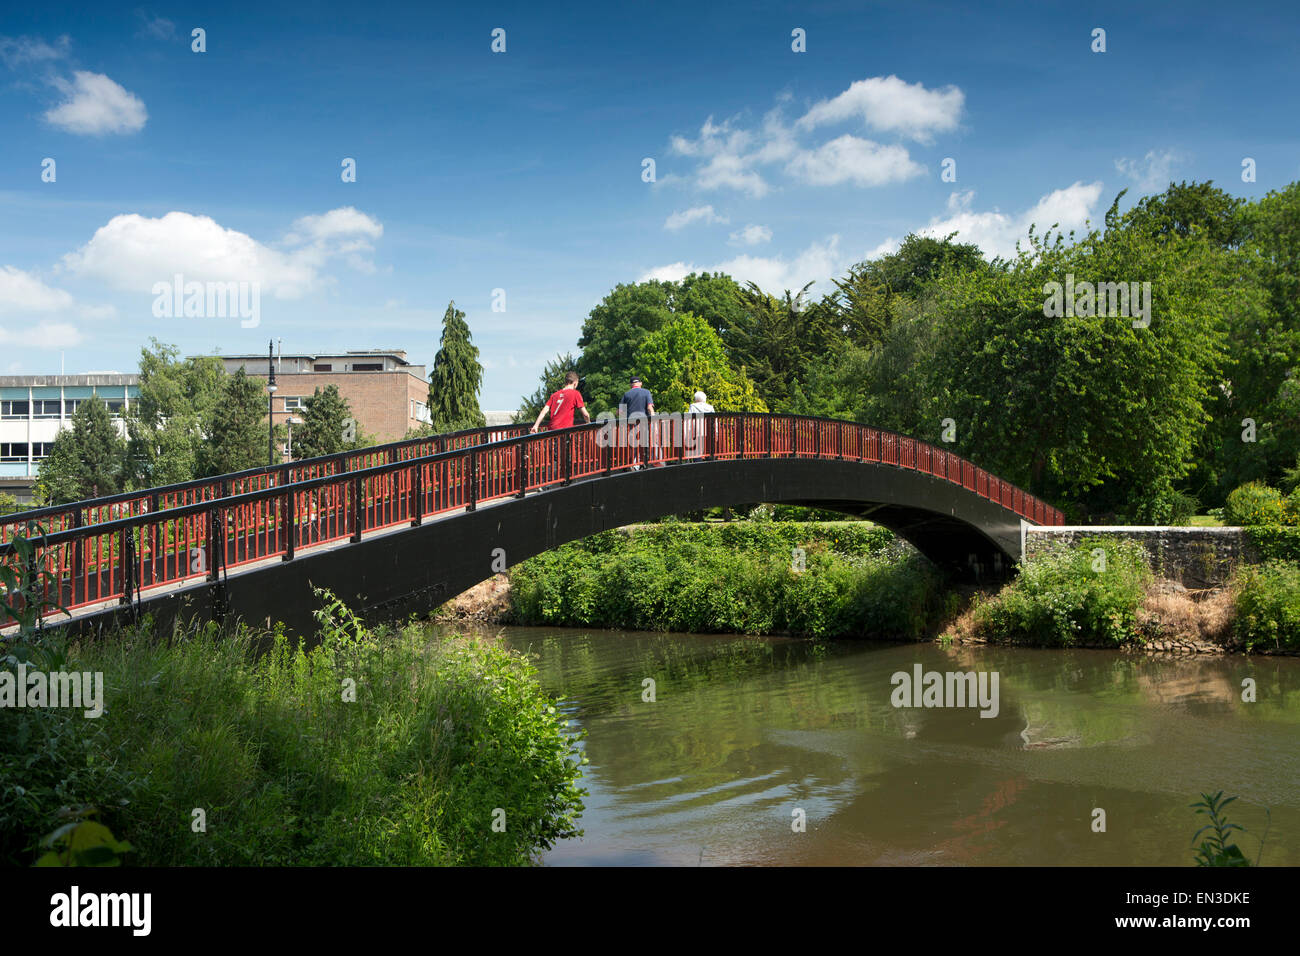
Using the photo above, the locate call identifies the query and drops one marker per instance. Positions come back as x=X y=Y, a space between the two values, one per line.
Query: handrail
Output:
x=37 y=514
x=121 y=554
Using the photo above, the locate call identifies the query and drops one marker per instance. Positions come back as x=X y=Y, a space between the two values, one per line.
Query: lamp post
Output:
x=270 y=399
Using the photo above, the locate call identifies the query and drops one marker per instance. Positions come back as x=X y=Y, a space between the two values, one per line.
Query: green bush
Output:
x=1267 y=599
x=1255 y=503
x=286 y=770
x=1275 y=541
x=1069 y=596
x=730 y=579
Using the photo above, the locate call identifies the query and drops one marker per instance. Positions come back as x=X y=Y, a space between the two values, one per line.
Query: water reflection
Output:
x=744 y=731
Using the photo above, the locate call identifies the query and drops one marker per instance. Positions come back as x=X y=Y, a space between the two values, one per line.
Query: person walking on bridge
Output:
x=562 y=405
x=694 y=427
x=637 y=402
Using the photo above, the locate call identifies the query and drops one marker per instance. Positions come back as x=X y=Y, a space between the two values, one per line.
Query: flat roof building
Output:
x=35 y=408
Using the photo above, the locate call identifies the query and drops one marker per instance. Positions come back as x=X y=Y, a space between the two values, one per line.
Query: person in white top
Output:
x=695 y=430
x=700 y=406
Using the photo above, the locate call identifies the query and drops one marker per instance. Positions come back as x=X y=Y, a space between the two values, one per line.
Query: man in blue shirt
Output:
x=638 y=403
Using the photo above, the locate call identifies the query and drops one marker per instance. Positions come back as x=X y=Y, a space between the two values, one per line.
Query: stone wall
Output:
x=1194 y=557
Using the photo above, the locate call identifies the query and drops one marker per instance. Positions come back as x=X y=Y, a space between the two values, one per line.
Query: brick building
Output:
x=387 y=394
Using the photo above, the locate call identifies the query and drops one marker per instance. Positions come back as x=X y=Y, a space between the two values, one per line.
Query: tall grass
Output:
x=284 y=768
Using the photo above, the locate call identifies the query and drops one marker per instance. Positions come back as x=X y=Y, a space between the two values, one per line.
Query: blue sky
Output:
x=523 y=170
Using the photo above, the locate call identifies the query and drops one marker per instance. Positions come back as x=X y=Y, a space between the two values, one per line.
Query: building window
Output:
x=14 y=409
x=294 y=403
x=70 y=406
x=115 y=406
x=46 y=408
x=322 y=368
x=367 y=366
x=420 y=412
x=13 y=451
x=42 y=449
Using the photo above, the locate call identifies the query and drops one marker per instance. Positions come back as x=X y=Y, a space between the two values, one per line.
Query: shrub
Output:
x=1275 y=541
x=1267 y=597
x=1069 y=596
x=287 y=769
x=1255 y=503
x=733 y=579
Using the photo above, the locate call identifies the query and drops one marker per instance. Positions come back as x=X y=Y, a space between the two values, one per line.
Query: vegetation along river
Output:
x=744 y=732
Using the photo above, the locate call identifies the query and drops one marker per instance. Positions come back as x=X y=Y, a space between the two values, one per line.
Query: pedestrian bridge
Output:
x=400 y=528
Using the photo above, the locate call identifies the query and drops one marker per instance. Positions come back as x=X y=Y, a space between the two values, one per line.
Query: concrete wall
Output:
x=1194 y=557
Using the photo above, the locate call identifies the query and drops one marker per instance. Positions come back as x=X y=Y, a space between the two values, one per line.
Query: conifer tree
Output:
x=88 y=459
x=456 y=378
x=323 y=431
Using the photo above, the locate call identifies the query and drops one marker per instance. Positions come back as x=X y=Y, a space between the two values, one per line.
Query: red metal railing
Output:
x=119 y=547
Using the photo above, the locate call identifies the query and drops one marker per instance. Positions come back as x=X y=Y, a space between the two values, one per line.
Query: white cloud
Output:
x=669 y=273
x=94 y=105
x=23 y=294
x=43 y=335
x=1153 y=172
x=346 y=220
x=705 y=214
x=160 y=28
x=889 y=104
x=996 y=233
x=732 y=157
x=888 y=247
x=133 y=252
x=859 y=161
x=18 y=50
x=817 y=263
x=751 y=235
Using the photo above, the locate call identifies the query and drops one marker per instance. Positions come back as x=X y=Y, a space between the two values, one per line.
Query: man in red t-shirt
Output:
x=562 y=404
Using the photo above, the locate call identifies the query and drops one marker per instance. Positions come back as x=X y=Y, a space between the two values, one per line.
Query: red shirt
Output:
x=563 y=404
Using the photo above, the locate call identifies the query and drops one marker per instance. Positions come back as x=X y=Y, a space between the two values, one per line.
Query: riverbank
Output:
x=855 y=580
x=375 y=747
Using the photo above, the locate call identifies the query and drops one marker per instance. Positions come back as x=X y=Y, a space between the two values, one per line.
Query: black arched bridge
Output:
x=401 y=528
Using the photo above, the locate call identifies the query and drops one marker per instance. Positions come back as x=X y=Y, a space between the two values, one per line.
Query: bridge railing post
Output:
x=566 y=454
x=521 y=471
x=817 y=437
x=769 y=436
x=472 y=493
x=608 y=451
x=291 y=519
x=417 y=489
x=358 y=513
x=740 y=435
x=711 y=436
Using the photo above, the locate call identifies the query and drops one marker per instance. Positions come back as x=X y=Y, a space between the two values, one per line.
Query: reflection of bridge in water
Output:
x=401 y=528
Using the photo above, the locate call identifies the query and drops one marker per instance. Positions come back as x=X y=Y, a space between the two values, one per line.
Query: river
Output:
x=746 y=736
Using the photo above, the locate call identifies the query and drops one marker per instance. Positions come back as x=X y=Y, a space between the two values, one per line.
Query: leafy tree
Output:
x=9 y=504
x=169 y=421
x=1185 y=207
x=323 y=428
x=550 y=381
x=920 y=261
x=456 y=378
x=715 y=297
x=1085 y=410
x=237 y=434
x=611 y=334
x=685 y=355
x=775 y=338
x=88 y=459
x=1261 y=380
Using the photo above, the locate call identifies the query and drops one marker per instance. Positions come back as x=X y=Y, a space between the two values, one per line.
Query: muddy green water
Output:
x=745 y=731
